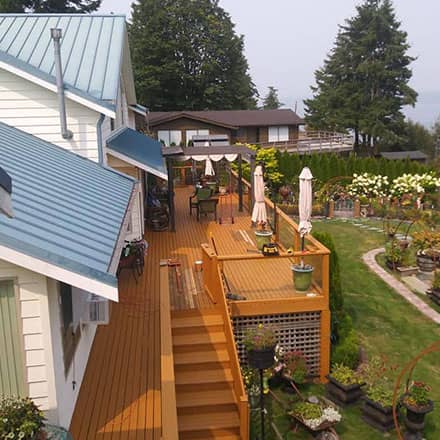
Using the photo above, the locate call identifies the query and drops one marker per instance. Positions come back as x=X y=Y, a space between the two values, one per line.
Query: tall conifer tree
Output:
x=363 y=84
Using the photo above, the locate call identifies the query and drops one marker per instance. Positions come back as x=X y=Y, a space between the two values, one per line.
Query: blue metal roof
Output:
x=91 y=49
x=139 y=150
x=68 y=210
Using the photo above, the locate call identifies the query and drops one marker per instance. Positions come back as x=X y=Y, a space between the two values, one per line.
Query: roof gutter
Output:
x=99 y=138
x=56 y=34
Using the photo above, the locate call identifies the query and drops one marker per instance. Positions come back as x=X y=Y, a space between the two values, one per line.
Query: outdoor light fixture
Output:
x=5 y=193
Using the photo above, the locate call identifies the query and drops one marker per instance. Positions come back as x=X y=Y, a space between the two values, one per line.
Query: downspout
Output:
x=56 y=36
x=99 y=139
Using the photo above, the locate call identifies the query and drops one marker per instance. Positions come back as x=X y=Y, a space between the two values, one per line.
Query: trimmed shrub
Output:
x=347 y=351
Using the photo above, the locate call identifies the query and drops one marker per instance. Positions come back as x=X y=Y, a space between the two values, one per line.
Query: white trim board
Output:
x=50 y=270
x=53 y=88
x=137 y=164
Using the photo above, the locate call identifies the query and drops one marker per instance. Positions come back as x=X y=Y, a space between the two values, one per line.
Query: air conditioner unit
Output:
x=97 y=310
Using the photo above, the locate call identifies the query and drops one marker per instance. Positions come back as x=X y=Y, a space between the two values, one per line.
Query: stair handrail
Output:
x=215 y=287
x=168 y=383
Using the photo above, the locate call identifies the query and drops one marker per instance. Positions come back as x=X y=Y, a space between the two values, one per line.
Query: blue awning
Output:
x=139 y=150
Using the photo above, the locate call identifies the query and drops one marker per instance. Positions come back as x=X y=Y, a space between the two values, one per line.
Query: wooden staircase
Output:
x=206 y=403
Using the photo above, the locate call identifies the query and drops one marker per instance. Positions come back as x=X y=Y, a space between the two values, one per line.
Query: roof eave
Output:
x=196 y=118
x=80 y=281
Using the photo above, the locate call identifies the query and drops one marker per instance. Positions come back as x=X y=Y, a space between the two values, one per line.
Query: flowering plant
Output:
x=295 y=366
x=314 y=415
x=427 y=242
x=369 y=185
x=345 y=375
x=418 y=394
x=414 y=183
x=259 y=338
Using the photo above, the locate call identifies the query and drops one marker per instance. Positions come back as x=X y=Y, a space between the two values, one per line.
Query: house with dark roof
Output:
x=59 y=255
x=271 y=127
x=416 y=155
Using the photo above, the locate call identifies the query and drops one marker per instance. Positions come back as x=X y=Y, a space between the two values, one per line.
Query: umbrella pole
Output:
x=302 y=249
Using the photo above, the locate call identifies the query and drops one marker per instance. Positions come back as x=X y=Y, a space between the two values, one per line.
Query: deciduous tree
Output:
x=187 y=56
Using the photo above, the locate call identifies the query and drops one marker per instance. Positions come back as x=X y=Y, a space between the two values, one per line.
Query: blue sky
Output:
x=287 y=40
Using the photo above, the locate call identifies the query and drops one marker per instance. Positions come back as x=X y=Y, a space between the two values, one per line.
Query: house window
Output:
x=171 y=138
x=191 y=133
x=278 y=134
x=70 y=333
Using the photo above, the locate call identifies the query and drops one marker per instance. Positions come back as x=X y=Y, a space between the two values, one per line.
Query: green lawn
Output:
x=386 y=323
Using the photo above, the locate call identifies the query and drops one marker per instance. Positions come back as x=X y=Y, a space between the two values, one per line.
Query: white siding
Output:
x=34 y=109
x=66 y=393
x=33 y=310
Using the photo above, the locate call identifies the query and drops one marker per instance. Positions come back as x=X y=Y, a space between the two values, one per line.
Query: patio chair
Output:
x=200 y=194
x=206 y=207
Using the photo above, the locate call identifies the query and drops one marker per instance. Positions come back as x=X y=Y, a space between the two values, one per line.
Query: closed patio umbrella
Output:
x=305 y=203
x=209 y=169
x=259 y=214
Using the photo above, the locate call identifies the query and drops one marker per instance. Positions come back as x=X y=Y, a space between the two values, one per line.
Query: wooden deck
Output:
x=120 y=397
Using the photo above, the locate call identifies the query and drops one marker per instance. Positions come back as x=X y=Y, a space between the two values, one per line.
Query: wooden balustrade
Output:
x=168 y=391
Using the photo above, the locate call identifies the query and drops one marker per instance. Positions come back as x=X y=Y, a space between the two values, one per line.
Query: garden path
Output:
x=370 y=260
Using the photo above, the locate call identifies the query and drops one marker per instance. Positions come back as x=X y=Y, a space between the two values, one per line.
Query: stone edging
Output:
x=370 y=260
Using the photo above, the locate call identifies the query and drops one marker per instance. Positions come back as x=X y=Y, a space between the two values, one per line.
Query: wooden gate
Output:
x=11 y=358
x=344 y=208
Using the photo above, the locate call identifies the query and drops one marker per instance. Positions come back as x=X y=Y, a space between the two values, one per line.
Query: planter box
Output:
x=407 y=271
x=377 y=416
x=415 y=417
x=343 y=394
x=391 y=265
x=434 y=294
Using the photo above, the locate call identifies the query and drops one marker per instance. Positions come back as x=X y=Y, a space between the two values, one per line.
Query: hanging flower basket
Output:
x=261 y=359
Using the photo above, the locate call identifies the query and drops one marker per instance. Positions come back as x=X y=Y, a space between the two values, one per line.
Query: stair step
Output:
x=203 y=377
x=205 y=398
x=199 y=338
x=224 y=434
x=200 y=357
x=197 y=321
x=209 y=422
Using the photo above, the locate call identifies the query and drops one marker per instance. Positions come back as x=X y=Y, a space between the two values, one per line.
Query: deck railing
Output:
x=214 y=285
x=168 y=392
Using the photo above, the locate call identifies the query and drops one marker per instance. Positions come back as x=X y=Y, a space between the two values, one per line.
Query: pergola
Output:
x=229 y=152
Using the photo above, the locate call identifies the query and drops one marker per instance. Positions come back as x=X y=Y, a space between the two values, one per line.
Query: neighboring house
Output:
x=58 y=260
x=416 y=155
x=246 y=126
x=98 y=84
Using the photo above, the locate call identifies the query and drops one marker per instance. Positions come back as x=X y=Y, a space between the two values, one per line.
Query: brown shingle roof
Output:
x=232 y=118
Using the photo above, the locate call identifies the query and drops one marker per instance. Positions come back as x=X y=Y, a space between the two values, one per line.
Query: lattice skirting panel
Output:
x=295 y=331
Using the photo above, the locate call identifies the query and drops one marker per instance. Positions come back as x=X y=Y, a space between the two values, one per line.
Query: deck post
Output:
x=252 y=163
x=171 y=195
x=240 y=183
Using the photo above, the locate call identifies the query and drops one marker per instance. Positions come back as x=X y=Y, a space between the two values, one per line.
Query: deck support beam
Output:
x=240 y=183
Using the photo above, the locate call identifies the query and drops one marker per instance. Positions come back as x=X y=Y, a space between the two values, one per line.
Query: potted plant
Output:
x=427 y=244
x=315 y=415
x=263 y=236
x=223 y=183
x=260 y=342
x=434 y=292
x=302 y=276
x=417 y=403
x=344 y=386
x=377 y=409
x=20 y=418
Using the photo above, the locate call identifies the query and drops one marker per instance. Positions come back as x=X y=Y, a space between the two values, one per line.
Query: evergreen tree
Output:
x=363 y=84
x=50 y=6
x=271 y=100
x=186 y=55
